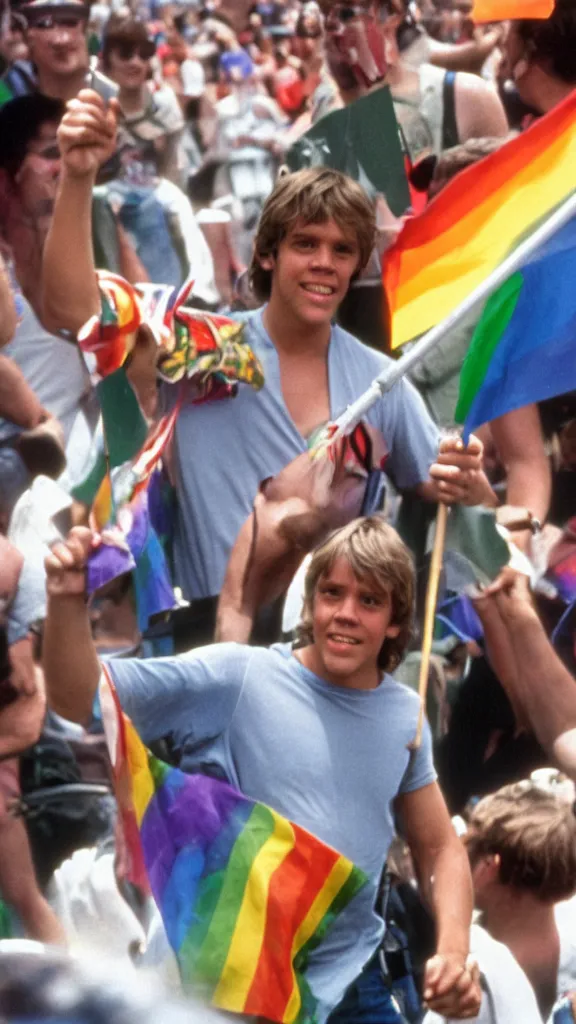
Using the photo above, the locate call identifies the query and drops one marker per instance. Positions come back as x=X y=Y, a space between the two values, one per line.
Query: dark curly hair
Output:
x=553 y=42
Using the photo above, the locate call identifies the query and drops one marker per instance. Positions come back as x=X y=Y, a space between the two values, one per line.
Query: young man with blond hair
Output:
x=319 y=732
x=316 y=234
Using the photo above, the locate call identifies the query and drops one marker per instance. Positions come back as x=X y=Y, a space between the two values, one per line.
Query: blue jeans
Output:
x=369 y=1000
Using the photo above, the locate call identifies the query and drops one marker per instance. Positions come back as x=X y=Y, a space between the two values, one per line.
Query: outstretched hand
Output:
x=66 y=564
x=452 y=986
x=87 y=133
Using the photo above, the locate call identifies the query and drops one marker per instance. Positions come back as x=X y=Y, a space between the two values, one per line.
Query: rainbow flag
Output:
x=523 y=349
x=442 y=255
x=510 y=10
x=245 y=894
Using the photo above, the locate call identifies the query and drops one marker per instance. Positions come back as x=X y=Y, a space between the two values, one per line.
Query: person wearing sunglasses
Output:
x=59 y=63
x=152 y=120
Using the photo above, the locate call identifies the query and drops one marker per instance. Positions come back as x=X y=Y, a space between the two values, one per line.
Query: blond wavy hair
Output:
x=375 y=553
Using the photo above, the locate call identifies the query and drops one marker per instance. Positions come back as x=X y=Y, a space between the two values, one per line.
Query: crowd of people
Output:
x=186 y=306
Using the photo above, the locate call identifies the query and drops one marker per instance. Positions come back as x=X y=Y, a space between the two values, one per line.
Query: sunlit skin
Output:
x=60 y=50
x=311 y=274
x=130 y=75
x=351 y=620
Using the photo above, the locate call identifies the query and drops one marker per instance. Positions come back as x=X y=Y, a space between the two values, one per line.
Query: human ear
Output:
x=392 y=631
x=266 y=262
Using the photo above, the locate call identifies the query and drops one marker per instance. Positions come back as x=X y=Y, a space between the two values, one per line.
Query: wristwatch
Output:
x=517 y=519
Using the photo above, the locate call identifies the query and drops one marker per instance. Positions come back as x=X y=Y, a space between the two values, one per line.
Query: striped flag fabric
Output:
x=245 y=895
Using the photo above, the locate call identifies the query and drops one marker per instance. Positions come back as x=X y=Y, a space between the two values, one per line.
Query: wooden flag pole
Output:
x=429 y=617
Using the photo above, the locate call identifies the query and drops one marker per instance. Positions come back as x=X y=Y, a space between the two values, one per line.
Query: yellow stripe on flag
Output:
x=142 y=781
x=336 y=880
x=244 y=953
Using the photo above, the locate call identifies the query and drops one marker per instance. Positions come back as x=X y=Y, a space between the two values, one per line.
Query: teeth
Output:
x=344 y=639
x=320 y=289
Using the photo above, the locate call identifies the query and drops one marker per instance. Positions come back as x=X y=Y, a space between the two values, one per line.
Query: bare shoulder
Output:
x=479 y=109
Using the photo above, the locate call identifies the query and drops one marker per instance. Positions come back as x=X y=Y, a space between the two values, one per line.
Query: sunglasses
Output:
x=126 y=51
x=51 y=21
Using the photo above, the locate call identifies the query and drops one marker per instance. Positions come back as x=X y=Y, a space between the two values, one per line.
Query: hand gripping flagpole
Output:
x=386 y=380
x=390 y=376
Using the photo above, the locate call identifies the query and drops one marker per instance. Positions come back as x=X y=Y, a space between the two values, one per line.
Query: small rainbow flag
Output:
x=245 y=894
x=442 y=255
x=511 y=10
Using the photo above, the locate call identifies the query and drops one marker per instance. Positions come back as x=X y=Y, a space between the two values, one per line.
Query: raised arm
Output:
x=543 y=686
x=70 y=662
x=87 y=138
x=518 y=438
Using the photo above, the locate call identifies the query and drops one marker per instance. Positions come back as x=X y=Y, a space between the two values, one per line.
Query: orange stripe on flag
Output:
x=293 y=889
x=466 y=232
x=505 y=10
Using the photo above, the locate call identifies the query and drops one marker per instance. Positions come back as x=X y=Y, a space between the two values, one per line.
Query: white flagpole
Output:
x=354 y=413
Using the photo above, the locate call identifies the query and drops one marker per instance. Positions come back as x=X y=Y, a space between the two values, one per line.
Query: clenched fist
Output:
x=87 y=133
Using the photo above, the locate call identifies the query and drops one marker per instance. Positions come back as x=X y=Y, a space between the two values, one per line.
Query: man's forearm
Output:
x=70 y=662
x=450 y=895
x=8 y=319
x=69 y=289
x=546 y=689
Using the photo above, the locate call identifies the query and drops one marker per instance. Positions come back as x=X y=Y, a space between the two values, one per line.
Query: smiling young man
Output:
x=315 y=234
x=321 y=733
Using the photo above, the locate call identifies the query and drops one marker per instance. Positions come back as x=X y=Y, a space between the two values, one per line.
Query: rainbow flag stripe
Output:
x=511 y=10
x=245 y=894
x=442 y=255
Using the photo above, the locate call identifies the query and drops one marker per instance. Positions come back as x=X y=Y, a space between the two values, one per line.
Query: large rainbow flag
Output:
x=505 y=10
x=245 y=894
x=442 y=255
x=524 y=347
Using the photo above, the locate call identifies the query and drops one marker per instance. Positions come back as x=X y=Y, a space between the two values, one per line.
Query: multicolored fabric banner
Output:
x=442 y=255
x=245 y=894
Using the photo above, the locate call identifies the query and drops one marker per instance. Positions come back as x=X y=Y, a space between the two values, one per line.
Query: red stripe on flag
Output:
x=291 y=893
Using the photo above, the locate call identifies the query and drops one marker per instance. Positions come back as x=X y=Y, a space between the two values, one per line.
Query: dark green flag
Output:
x=361 y=140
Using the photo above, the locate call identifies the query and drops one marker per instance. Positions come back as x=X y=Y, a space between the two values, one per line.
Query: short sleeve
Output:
x=193 y=696
x=420 y=771
x=411 y=435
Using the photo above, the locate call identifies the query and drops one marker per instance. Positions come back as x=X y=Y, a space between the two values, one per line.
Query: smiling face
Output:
x=311 y=271
x=351 y=619
x=129 y=64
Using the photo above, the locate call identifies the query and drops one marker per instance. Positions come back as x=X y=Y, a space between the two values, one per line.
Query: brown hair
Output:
x=374 y=552
x=552 y=43
x=315 y=195
x=122 y=27
x=533 y=831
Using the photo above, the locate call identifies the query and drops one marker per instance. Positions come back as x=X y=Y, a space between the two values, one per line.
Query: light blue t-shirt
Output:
x=328 y=758
x=224 y=450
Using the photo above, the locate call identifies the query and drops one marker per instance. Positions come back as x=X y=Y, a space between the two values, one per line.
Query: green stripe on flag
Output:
x=205 y=948
x=498 y=313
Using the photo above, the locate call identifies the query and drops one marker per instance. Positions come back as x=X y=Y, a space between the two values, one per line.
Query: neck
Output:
x=513 y=917
x=62 y=88
x=132 y=100
x=548 y=93
x=366 y=678
x=290 y=335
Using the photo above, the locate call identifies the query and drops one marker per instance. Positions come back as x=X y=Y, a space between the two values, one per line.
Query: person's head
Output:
x=127 y=51
x=29 y=154
x=12 y=42
x=540 y=52
x=316 y=233
x=522 y=839
x=358 y=599
x=56 y=36
x=362 y=41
